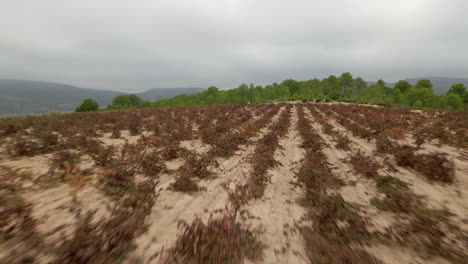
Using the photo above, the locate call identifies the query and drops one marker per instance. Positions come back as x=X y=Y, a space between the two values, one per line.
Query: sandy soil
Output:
x=171 y=207
x=124 y=137
x=55 y=206
x=436 y=195
x=195 y=145
x=278 y=209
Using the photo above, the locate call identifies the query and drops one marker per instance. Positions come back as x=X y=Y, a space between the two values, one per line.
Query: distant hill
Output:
x=388 y=84
x=20 y=97
x=161 y=93
x=440 y=84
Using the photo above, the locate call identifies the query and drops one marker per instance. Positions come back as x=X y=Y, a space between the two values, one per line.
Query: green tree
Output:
x=125 y=101
x=211 y=95
x=418 y=103
x=454 y=101
x=232 y=96
x=134 y=100
x=269 y=92
x=347 y=81
x=332 y=87
x=424 y=95
x=251 y=94
x=458 y=88
x=360 y=84
x=375 y=94
x=88 y=105
x=212 y=90
x=243 y=93
x=282 y=92
x=397 y=95
x=329 y=88
x=381 y=83
x=403 y=86
x=424 y=83
x=292 y=85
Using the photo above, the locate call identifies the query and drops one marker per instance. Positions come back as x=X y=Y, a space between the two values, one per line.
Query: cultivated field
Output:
x=266 y=183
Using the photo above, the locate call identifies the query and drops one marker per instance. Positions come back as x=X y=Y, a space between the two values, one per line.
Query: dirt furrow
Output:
x=278 y=209
x=358 y=190
x=171 y=207
x=361 y=191
x=437 y=195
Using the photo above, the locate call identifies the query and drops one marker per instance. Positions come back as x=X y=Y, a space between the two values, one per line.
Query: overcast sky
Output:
x=138 y=44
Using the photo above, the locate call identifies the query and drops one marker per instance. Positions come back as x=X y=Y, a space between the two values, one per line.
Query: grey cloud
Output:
x=134 y=45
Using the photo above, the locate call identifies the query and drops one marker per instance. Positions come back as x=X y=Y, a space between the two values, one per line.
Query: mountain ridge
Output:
x=23 y=97
x=440 y=85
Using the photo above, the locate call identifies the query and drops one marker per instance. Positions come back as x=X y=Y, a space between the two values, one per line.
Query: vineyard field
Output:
x=283 y=182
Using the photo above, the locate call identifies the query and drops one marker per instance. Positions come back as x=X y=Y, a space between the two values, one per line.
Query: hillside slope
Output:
x=22 y=97
x=33 y=97
x=440 y=84
x=161 y=93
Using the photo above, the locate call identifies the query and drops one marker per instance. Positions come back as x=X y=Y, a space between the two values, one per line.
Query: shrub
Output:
x=219 y=241
x=108 y=241
x=431 y=232
x=398 y=197
x=434 y=166
x=88 y=105
x=102 y=155
x=197 y=166
x=19 y=146
x=184 y=183
x=117 y=181
x=63 y=156
x=342 y=142
x=151 y=164
x=364 y=165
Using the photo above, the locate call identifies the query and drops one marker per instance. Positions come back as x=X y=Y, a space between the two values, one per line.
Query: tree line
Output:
x=344 y=88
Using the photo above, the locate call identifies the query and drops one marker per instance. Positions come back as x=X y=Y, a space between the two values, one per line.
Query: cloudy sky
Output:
x=138 y=44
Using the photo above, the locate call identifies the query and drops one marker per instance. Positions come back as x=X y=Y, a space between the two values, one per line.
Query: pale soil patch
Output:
x=278 y=209
x=52 y=211
x=345 y=103
x=400 y=255
x=91 y=199
x=174 y=164
x=40 y=164
x=3 y=153
x=55 y=209
x=125 y=137
x=86 y=162
x=195 y=145
x=36 y=165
